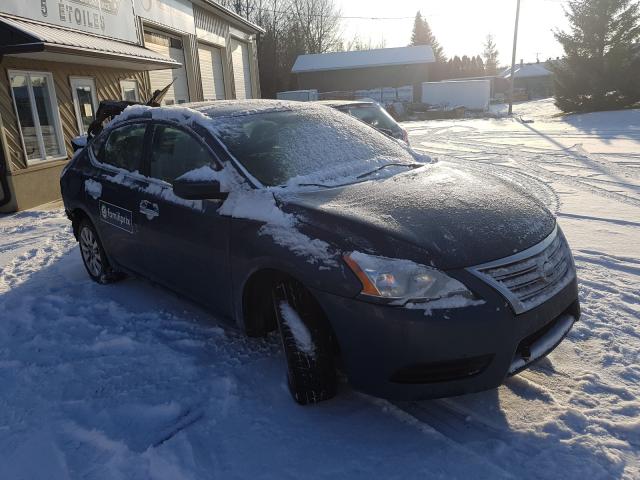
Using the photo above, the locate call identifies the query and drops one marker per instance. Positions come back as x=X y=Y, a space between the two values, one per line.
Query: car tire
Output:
x=93 y=256
x=310 y=366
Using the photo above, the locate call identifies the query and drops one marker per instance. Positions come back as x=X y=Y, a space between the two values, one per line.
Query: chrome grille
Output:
x=529 y=278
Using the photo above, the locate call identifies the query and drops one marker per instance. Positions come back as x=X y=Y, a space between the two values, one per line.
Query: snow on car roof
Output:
x=203 y=112
x=226 y=108
x=343 y=103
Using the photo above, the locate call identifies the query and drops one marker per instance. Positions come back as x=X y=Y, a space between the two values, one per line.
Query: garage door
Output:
x=241 y=69
x=171 y=47
x=211 y=72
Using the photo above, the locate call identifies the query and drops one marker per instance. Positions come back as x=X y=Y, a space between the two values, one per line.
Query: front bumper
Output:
x=400 y=353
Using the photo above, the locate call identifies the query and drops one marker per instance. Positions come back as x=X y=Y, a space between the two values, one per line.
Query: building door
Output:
x=85 y=104
x=241 y=69
x=171 y=47
x=211 y=72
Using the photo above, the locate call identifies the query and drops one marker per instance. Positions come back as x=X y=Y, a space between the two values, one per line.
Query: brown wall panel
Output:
x=364 y=78
x=107 y=86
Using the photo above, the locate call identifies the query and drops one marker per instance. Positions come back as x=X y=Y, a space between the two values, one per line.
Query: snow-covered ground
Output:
x=129 y=381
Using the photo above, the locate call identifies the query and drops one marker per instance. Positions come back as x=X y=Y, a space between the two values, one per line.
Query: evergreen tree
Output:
x=601 y=67
x=480 y=66
x=422 y=35
x=490 y=55
x=456 y=67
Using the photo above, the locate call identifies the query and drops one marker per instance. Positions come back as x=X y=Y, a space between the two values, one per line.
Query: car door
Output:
x=186 y=241
x=113 y=190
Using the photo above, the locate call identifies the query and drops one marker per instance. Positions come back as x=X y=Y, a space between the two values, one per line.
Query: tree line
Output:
x=480 y=65
x=296 y=27
x=600 y=69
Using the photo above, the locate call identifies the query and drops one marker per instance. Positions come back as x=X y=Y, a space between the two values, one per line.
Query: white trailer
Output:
x=471 y=94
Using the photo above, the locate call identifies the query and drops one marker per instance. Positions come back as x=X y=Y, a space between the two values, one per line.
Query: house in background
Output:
x=60 y=58
x=531 y=80
x=364 y=70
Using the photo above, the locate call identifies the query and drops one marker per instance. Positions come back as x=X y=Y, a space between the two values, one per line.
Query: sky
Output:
x=461 y=26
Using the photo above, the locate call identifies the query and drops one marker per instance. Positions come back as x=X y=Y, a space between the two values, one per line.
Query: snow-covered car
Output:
x=371 y=113
x=416 y=279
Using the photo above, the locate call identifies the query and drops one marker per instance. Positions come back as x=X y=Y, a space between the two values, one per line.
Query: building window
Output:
x=35 y=102
x=129 y=90
x=83 y=91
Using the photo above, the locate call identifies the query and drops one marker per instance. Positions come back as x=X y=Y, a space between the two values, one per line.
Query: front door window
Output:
x=174 y=152
x=84 y=102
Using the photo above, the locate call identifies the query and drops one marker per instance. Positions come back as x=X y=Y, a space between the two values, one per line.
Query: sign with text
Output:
x=111 y=18
x=176 y=14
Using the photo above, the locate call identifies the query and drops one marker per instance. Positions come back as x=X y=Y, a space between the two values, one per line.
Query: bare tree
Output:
x=292 y=28
x=318 y=23
x=357 y=44
x=244 y=8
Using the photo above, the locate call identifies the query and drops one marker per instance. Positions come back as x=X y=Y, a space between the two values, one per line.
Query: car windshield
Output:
x=374 y=115
x=310 y=145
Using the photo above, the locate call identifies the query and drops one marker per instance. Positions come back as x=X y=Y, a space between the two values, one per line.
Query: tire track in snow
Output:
x=531 y=162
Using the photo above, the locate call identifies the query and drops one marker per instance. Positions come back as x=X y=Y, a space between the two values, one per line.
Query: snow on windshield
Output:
x=315 y=144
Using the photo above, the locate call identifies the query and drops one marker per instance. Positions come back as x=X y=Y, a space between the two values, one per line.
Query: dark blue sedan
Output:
x=416 y=279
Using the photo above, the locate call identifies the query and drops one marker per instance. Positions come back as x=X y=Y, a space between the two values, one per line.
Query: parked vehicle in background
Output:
x=371 y=113
x=424 y=280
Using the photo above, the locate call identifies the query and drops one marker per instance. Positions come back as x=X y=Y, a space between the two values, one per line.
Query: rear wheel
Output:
x=307 y=343
x=93 y=256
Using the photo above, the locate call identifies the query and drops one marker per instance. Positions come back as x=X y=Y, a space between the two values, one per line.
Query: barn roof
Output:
x=363 y=59
x=527 y=70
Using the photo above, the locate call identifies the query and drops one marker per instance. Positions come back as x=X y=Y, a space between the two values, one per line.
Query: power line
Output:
x=363 y=17
x=342 y=17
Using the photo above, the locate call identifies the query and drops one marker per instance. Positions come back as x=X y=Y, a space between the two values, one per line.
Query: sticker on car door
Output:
x=117 y=216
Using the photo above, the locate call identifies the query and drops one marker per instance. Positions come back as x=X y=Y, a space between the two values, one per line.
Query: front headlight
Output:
x=402 y=281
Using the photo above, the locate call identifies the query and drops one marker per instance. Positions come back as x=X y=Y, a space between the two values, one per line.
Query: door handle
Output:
x=149 y=209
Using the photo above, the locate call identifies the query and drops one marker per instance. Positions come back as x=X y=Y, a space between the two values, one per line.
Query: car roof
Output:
x=213 y=110
x=226 y=108
x=345 y=103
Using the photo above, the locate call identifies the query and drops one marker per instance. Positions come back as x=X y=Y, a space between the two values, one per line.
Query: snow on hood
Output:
x=457 y=218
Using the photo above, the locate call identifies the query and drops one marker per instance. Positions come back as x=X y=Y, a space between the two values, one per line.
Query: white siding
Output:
x=211 y=72
x=167 y=45
x=471 y=94
x=241 y=69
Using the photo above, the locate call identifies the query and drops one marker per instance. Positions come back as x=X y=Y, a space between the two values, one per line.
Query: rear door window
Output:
x=123 y=147
x=175 y=152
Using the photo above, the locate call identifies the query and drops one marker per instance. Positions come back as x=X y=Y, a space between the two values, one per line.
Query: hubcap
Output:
x=90 y=252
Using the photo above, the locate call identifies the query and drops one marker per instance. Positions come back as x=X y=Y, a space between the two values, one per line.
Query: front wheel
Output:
x=307 y=343
x=93 y=256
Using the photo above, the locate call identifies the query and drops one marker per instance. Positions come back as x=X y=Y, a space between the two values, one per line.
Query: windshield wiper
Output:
x=337 y=185
x=393 y=164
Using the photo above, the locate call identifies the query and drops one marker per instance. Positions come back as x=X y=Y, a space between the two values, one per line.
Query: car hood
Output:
x=438 y=214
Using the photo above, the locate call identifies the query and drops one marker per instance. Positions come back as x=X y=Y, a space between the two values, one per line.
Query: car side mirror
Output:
x=79 y=143
x=198 y=190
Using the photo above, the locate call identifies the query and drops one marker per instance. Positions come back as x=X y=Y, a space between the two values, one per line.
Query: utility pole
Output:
x=513 y=59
